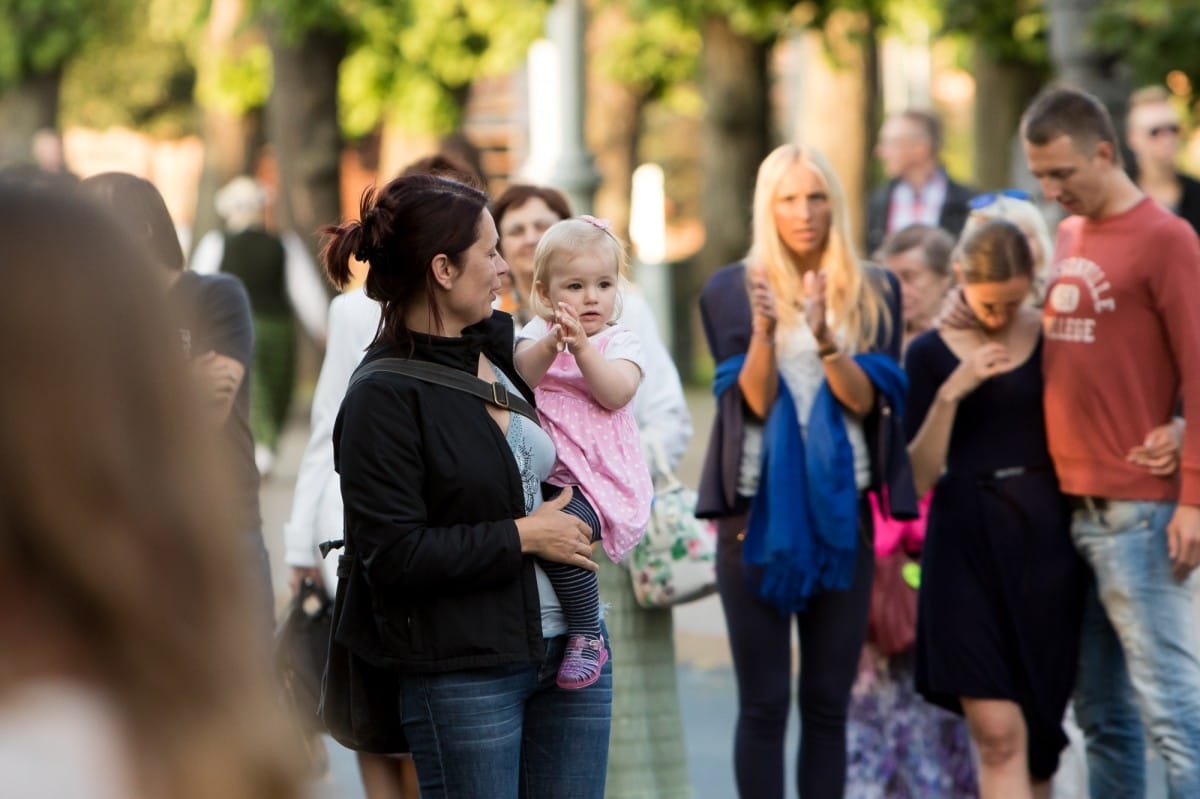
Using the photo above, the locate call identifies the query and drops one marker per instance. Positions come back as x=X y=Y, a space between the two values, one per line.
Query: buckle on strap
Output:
x=500 y=394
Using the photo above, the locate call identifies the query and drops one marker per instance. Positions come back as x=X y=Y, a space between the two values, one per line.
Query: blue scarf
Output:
x=803 y=526
x=727 y=374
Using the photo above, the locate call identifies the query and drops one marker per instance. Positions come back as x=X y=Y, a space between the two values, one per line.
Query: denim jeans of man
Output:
x=508 y=731
x=1139 y=660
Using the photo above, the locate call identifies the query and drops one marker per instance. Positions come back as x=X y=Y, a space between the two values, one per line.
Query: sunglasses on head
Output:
x=1170 y=127
x=984 y=200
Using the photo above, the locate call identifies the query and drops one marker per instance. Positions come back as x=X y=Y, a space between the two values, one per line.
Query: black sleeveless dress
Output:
x=1001 y=584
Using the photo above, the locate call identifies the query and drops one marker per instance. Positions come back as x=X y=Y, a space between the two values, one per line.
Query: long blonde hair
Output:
x=854 y=306
x=113 y=513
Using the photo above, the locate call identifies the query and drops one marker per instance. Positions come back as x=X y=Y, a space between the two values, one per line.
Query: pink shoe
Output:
x=582 y=661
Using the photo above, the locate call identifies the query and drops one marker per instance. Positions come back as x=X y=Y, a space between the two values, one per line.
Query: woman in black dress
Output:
x=999 y=608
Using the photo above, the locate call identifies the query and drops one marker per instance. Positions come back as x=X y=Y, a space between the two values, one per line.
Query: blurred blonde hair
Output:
x=565 y=240
x=113 y=512
x=853 y=304
x=1025 y=215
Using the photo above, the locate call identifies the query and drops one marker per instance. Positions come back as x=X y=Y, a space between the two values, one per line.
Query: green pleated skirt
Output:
x=646 y=757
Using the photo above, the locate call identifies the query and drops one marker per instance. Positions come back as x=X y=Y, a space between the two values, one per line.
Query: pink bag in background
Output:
x=893 y=534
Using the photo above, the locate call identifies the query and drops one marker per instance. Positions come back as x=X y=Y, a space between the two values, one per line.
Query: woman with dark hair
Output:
x=317 y=510
x=806 y=339
x=1001 y=597
x=130 y=665
x=444 y=513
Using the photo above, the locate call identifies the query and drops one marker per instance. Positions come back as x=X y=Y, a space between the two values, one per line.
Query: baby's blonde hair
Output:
x=569 y=238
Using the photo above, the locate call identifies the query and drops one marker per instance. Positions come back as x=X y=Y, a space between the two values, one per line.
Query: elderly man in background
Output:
x=918 y=190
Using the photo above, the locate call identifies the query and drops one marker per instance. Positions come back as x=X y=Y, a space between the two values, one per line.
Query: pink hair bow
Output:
x=603 y=224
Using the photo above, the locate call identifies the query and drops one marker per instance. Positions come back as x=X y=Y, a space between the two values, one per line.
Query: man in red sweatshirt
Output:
x=1122 y=346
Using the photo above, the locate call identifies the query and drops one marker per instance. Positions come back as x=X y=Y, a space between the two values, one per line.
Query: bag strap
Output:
x=492 y=393
x=664 y=478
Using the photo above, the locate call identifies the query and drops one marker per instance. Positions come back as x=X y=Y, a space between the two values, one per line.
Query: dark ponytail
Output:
x=401 y=228
x=345 y=240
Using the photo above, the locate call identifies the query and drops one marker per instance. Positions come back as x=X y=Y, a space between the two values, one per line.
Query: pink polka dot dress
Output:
x=598 y=449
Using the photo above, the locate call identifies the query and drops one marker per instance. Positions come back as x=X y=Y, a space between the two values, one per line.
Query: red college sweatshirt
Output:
x=1122 y=342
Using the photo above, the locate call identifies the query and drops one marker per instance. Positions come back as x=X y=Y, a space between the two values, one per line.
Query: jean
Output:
x=831 y=632
x=505 y=732
x=1139 y=667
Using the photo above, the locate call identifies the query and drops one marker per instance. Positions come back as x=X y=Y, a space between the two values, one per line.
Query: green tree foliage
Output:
x=40 y=36
x=1154 y=37
x=137 y=73
x=414 y=61
x=1006 y=30
x=656 y=55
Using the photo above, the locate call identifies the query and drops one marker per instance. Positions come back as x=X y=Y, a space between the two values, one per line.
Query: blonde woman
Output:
x=806 y=339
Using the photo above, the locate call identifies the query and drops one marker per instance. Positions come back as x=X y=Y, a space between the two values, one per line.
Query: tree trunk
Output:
x=303 y=129
x=1076 y=60
x=837 y=105
x=736 y=138
x=615 y=139
x=1002 y=89
x=231 y=143
x=30 y=105
x=229 y=136
x=614 y=135
x=873 y=105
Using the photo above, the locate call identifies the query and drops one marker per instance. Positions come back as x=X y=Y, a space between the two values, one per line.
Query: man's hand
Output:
x=1183 y=540
x=219 y=377
x=1159 y=452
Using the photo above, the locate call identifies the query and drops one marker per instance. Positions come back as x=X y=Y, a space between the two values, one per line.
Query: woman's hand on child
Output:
x=550 y=533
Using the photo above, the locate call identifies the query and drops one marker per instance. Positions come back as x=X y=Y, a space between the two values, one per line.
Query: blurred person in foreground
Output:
x=1154 y=133
x=647 y=756
x=317 y=499
x=211 y=318
x=129 y=665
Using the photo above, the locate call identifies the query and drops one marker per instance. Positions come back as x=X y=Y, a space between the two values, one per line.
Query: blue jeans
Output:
x=508 y=731
x=1139 y=668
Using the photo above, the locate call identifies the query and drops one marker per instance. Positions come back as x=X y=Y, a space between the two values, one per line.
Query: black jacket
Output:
x=953 y=217
x=437 y=581
x=1189 y=197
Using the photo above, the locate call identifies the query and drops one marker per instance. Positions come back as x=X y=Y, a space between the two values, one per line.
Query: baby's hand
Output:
x=571 y=328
